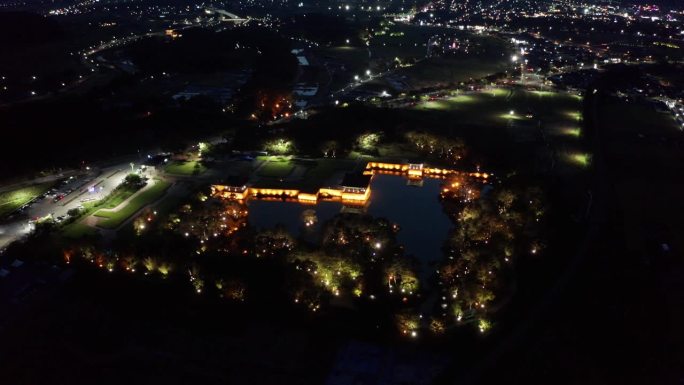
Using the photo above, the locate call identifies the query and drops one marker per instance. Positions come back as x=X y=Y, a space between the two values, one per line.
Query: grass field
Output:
x=644 y=159
x=78 y=230
x=185 y=168
x=643 y=139
x=483 y=119
x=444 y=71
x=113 y=219
x=485 y=56
x=497 y=107
x=12 y=200
x=316 y=174
x=326 y=168
x=276 y=167
x=117 y=196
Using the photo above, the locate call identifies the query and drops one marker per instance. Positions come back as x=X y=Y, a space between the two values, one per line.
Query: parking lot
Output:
x=68 y=194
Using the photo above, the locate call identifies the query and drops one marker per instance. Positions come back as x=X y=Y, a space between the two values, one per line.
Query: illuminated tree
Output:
x=133 y=179
x=150 y=264
x=234 y=289
x=401 y=276
x=408 y=323
x=436 y=145
x=272 y=242
x=368 y=142
x=332 y=272
x=210 y=219
x=491 y=230
x=505 y=199
x=203 y=148
x=273 y=105
x=280 y=146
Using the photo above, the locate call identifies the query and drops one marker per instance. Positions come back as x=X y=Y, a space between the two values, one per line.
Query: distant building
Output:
x=305 y=90
x=299 y=54
x=415 y=170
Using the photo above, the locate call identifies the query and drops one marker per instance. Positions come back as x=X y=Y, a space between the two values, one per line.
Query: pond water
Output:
x=416 y=209
x=265 y=214
x=418 y=212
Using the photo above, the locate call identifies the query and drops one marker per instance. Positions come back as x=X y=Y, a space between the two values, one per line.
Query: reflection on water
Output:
x=417 y=210
x=267 y=214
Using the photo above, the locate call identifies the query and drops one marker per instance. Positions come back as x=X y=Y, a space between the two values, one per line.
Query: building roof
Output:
x=236 y=181
x=356 y=180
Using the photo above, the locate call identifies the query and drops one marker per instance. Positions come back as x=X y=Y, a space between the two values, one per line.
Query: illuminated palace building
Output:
x=354 y=189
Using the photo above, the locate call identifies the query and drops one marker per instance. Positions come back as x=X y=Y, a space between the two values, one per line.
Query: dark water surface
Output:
x=416 y=209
